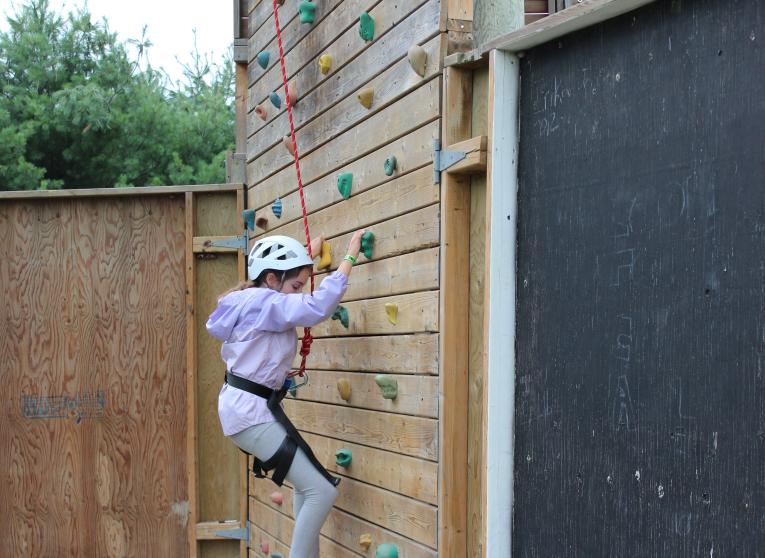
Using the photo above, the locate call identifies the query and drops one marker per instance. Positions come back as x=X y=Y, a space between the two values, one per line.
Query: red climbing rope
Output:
x=305 y=347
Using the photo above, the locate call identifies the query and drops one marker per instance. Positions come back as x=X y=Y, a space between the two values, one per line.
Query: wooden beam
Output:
x=475 y=156
x=206 y=530
x=191 y=379
x=204 y=245
x=106 y=192
x=493 y=17
x=585 y=14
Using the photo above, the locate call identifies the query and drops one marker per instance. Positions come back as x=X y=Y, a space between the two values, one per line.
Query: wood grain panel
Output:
x=98 y=318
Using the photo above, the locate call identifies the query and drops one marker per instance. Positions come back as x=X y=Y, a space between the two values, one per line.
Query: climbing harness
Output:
x=281 y=461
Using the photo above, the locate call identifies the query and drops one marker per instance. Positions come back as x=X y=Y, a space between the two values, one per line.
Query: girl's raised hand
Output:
x=354 y=247
x=316 y=243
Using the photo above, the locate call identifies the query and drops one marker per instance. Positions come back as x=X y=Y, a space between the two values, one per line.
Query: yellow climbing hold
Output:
x=326 y=255
x=365 y=97
x=391 y=310
x=344 y=389
x=365 y=541
x=325 y=63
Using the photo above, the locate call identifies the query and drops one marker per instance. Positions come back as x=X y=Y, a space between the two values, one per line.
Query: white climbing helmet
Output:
x=276 y=252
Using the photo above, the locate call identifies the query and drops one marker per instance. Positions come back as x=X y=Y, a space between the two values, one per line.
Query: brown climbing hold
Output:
x=365 y=541
x=293 y=93
x=418 y=58
x=344 y=388
x=260 y=110
x=326 y=256
x=277 y=498
x=365 y=97
x=261 y=223
x=325 y=63
x=287 y=141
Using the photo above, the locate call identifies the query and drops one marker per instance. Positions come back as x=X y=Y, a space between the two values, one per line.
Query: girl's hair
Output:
x=261 y=280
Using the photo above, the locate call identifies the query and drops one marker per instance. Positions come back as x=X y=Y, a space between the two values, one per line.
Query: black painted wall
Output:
x=640 y=396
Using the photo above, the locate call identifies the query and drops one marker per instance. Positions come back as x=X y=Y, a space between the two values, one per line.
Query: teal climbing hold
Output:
x=263 y=57
x=387 y=550
x=248 y=216
x=276 y=207
x=344 y=183
x=341 y=313
x=280 y=555
x=343 y=457
x=366 y=27
x=390 y=165
x=307 y=11
x=275 y=99
x=367 y=244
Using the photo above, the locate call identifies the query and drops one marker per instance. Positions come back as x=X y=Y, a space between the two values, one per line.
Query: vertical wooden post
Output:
x=244 y=484
x=454 y=307
x=492 y=18
x=191 y=381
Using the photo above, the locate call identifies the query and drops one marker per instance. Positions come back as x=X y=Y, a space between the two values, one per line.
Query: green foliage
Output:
x=77 y=110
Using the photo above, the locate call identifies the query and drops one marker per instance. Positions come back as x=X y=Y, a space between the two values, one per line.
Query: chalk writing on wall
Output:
x=76 y=407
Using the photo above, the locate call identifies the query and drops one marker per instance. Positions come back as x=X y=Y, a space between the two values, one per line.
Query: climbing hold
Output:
x=276 y=207
x=418 y=58
x=390 y=165
x=344 y=388
x=263 y=57
x=275 y=99
x=326 y=256
x=277 y=498
x=307 y=11
x=260 y=110
x=287 y=141
x=289 y=385
x=325 y=63
x=367 y=244
x=391 y=310
x=264 y=548
x=261 y=223
x=344 y=183
x=387 y=550
x=388 y=386
x=341 y=314
x=280 y=555
x=343 y=458
x=248 y=216
x=365 y=541
x=365 y=97
x=366 y=27
x=293 y=93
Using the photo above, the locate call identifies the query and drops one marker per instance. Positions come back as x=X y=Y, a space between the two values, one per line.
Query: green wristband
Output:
x=349 y=258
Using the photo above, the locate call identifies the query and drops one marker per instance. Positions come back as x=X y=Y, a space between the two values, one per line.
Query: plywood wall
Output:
x=390 y=491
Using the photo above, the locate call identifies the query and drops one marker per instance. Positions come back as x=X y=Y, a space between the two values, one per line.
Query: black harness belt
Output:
x=281 y=461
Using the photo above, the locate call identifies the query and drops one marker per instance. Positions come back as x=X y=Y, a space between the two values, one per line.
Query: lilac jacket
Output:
x=257 y=327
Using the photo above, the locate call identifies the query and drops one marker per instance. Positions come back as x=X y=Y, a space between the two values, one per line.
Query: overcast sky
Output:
x=170 y=25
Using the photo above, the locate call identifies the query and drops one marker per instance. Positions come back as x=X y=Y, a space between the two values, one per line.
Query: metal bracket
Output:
x=442 y=160
x=235 y=242
x=241 y=534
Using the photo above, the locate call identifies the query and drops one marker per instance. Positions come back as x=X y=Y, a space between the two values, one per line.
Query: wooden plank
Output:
x=342 y=527
x=207 y=530
x=117 y=192
x=416 y=271
x=491 y=19
x=192 y=470
x=536 y=6
x=417 y=395
x=399 y=196
x=204 y=245
x=453 y=347
x=402 y=354
x=392 y=84
x=263 y=16
x=584 y=14
x=475 y=156
x=240 y=108
x=406 y=475
x=413 y=111
x=413 y=436
x=417 y=312
x=413 y=151
x=243 y=462
x=258 y=536
x=460 y=9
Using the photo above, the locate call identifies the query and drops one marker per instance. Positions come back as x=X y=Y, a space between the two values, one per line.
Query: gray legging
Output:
x=313 y=496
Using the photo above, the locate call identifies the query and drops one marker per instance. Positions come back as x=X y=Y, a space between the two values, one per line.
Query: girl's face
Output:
x=296 y=284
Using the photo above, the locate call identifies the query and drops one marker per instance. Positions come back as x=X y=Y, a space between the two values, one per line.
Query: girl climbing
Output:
x=256 y=323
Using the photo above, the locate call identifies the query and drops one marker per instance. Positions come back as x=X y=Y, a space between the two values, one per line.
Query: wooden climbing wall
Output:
x=390 y=490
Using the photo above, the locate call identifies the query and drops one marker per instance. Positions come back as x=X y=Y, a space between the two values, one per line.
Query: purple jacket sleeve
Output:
x=280 y=312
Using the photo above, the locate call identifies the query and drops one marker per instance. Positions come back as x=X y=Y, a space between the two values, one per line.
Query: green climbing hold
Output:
x=263 y=57
x=388 y=386
x=387 y=550
x=366 y=27
x=343 y=457
x=341 y=314
x=248 y=216
x=307 y=11
x=367 y=244
x=344 y=183
x=390 y=165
